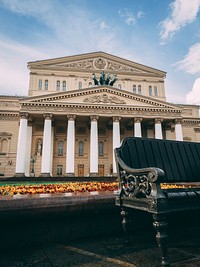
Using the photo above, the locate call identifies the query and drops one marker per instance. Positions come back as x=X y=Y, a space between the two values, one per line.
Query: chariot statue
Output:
x=104 y=79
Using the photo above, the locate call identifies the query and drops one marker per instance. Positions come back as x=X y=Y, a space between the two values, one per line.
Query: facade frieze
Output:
x=189 y=122
x=9 y=116
x=9 y=104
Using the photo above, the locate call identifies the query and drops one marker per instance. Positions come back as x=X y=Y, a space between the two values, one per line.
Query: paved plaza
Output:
x=109 y=251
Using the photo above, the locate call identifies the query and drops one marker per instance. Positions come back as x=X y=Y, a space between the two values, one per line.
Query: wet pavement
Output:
x=109 y=251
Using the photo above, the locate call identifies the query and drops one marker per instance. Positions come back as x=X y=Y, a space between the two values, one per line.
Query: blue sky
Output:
x=163 y=34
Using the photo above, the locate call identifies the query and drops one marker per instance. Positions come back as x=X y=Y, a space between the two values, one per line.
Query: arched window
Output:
x=58 y=86
x=139 y=89
x=4 y=144
x=155 y=91
x=134 y=89
x=64 y=86
x=46 y=84
x=90 y=84
x=101 y=148
x=150 y=90
x=119 y=86
x=60 y=148
x=81 y=148
x=40 y=85
x=80 y=85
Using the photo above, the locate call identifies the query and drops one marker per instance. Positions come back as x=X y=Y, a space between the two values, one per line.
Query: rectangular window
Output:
x=46 y=85
x=155 y=91
x=40 y=85
x=59 y=169
x=80 y=85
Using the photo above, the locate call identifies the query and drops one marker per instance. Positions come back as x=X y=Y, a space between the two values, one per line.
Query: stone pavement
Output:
x=184 y=251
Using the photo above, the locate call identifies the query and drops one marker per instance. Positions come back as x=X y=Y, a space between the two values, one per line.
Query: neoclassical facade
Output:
x=69 y=125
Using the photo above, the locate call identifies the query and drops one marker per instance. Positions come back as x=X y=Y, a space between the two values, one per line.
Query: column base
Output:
x=70 y=174
x=94 y=174
x=19 y=174
x=45 y=174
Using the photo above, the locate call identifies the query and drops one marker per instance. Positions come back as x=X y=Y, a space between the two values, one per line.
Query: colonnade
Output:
x=25 y=139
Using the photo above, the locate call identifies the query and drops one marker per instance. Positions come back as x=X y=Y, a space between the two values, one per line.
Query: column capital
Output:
x=158 y=120
x=94 y=117
x=116 y=118
x=48 y=116
x=71 y=117
x=137 y=119
x=24 y=115
x=178 y=121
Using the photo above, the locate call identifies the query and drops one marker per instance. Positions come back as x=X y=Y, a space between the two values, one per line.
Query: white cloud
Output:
x=191 y=62
x=182 y=13
x=193 y=97
x=103 y=25
x=129 y=17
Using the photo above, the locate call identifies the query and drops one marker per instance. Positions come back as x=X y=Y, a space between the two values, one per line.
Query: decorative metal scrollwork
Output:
x=134 y=185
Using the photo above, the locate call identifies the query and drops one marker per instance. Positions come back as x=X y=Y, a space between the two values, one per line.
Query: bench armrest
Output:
x=144 y=182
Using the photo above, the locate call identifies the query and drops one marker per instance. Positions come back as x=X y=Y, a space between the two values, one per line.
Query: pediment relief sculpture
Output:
x=104 y=98
x=99 y=64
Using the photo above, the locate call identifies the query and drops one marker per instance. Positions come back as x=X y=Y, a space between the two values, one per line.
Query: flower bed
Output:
x=58 y=188
x=72 y=187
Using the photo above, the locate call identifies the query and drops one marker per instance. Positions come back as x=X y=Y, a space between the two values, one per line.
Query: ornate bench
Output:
x=147 y=168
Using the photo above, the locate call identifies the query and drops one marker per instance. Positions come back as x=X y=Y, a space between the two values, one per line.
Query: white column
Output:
x=178 y=130
x=46 y=149
x=116 y=139
x=28 y=150
x=70 y=154
x=158 y=128
x=52 y=141
x=94 y=145
x=137 y=127
x=21 y=146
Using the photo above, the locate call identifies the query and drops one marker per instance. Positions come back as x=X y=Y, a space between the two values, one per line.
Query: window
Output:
x=81 y=148
x=60 y=148
x=101 y=148
x=119 y=86
x=89 y=84
x=134 y=89
x=58 y=86
x=139 y=89
x=40 y=85
x=64 y=86
x=46 y=85
x=155 y=91
x=4 y=144
x=80 y=85
x=150 y=90
x=59 y=169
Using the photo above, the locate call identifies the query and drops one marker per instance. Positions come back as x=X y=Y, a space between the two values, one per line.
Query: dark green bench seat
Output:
x=144 y=164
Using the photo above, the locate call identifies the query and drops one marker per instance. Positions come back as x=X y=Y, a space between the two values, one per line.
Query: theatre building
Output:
x=79 y=108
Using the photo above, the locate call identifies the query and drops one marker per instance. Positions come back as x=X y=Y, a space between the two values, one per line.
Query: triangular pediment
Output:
x=96 y=62
x=100 y=95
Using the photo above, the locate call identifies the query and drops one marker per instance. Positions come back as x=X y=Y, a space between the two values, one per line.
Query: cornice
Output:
x=86 y=92
x=98 y=109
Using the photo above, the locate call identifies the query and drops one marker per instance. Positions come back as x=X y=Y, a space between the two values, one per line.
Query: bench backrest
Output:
x=179 y=160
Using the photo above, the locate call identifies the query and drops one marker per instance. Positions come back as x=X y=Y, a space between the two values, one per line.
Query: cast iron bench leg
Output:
x=125 y=225
x=160 y=225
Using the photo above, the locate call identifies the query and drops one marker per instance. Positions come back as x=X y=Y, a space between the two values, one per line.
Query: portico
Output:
x=75 y=143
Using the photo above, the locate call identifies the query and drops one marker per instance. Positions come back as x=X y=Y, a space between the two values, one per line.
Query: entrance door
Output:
x=101 y=170
x=81 y=170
